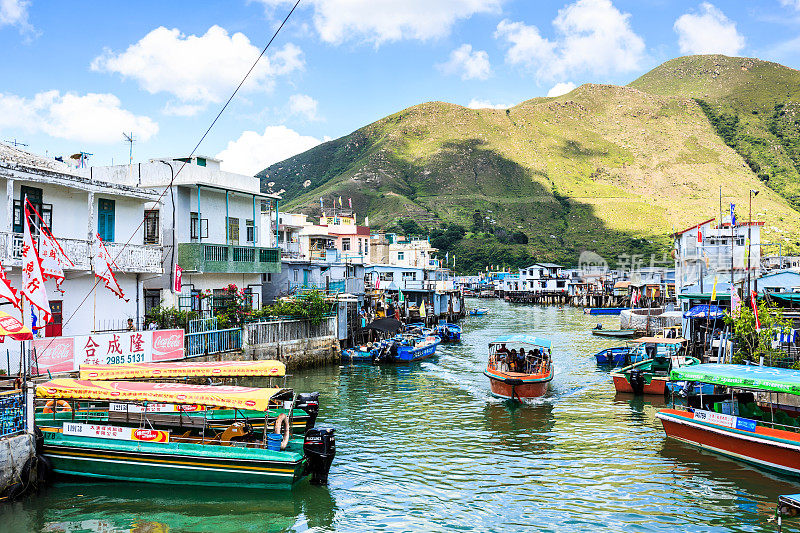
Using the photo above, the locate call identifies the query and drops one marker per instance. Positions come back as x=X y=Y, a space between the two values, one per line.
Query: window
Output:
x=251 y=231
x=360 y=247
x=34 y=195
x=233 y=230
x=409 y=276
x=346 y=244
x=400 y=256
x=296 y=274
x=152 y=299
x=105 y=219
x=151 y=232
x=387 y=276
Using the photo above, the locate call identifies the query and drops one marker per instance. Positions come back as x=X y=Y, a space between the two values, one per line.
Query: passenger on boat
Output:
x=512 y=361
x=521 y=360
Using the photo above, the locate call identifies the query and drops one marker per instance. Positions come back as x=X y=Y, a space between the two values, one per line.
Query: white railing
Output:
x=130 y=258
x=280 y=331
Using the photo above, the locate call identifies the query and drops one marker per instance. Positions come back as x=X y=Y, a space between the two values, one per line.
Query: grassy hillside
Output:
x=753 y=106
x=603 y=168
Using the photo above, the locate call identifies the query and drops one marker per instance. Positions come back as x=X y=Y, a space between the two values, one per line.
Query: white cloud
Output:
x=477 y=103
x=303 y=105
x=592 y=36
x=561 y=88
x=470 y=64
x=791 y=3
x=15 y=13
x=380 y=21
x=198 y=70
x=708 y=32
x=93 y=117
x=252 y=153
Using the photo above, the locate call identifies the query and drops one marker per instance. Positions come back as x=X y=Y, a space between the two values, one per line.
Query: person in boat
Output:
x=500 y=357
x=521 y=360
x=599 y=326
x=512 y=360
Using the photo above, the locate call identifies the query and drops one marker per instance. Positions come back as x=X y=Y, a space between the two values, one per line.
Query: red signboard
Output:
x=55 y=354
x=167 y=344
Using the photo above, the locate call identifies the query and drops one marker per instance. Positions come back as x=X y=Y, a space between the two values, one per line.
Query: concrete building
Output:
x=218 y=227
x=718 y=249
x=77 y=208
x=300 y=238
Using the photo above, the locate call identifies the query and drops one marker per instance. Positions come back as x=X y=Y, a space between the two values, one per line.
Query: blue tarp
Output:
x=705 y=311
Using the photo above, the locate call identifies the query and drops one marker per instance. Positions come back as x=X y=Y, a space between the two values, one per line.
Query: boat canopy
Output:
x=136 y=391
x=765 y=378
x=183 y=369
x=658 y=340
x=711 y=312
x=522 y=339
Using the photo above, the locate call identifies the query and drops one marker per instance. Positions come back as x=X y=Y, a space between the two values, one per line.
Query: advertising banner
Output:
x=115 y=432
x=67 y=354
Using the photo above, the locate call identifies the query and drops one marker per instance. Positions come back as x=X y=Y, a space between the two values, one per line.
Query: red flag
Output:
x=178 y=279
x=755 y=309
x=101 y=262
x=699 y=235
x=32 y=278
x=350 y=201
x=7 y=292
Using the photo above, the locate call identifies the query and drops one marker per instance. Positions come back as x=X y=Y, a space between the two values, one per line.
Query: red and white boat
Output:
x=731 y=423
x=520 y=367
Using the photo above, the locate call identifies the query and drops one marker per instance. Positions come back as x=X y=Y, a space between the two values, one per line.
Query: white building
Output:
x=218 y=227
x=713 y=252
x=539 y=278
x=300 y=238
x=76 y=208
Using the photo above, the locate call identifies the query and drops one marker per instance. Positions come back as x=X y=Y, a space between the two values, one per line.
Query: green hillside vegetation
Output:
x=753 y=106
x=604 y=168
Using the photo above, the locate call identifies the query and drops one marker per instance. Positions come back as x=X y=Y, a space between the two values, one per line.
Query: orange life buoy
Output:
x=62 y=406
x=283 y=419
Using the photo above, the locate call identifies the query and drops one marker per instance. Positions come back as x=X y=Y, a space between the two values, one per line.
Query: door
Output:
x=305 y=278
x=53 y=329
x=105 y=219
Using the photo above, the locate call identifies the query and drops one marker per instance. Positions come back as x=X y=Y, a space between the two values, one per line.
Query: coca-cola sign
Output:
x=56 y=354
x=167 y=344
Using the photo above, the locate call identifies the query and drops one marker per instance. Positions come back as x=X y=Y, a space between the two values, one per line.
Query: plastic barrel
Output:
x=274 y=442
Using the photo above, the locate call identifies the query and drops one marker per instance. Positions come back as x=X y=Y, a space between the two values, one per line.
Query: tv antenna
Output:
x=129 y=139
x=16 y=143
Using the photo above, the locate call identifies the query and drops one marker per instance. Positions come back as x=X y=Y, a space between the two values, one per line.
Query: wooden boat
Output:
x=515 y=378
x=604 y=310
x=448 y=332
x=616 y=333
x=616 y=356
x=410 y=349
x=303 y=414
x=788 y=505
x=732 y=424
x=480 y=311
x=651 y=374
x=167 y=449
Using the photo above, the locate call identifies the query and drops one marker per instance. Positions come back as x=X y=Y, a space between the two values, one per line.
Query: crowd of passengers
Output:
x=532 y=361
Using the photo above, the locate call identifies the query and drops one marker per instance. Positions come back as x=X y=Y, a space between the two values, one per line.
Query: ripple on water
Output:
x=425 y=447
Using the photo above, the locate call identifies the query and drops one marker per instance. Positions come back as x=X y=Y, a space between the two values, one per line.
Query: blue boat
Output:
x=360 y=354
x=412 y=348
x=616 y=356
x=480 y=311
x=604 y=310
x=418 y=328
x=448 y=332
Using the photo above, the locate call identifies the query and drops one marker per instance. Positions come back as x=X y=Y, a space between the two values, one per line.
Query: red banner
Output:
x=755 y=309
x=167 y=344
x=56 y=354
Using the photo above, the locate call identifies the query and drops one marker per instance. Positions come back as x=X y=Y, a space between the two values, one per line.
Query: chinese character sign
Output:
x=66 y=354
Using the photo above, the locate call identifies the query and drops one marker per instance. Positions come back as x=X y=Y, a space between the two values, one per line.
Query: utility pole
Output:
x=749 y=233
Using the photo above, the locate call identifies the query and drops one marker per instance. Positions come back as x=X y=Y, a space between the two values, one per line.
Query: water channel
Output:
x=426 y=448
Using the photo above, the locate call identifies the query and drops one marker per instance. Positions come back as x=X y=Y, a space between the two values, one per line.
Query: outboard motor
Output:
x=319 y=448
x=637 y=382
x=308 y=402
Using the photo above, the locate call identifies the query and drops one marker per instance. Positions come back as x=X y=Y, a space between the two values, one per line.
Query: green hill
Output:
x=603 y=168
x=753 y=106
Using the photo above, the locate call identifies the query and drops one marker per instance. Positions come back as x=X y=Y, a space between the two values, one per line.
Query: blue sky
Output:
x=76 y=74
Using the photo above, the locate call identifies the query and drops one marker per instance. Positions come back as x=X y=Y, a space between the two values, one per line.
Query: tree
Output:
x=477 y=221
x=752 y=344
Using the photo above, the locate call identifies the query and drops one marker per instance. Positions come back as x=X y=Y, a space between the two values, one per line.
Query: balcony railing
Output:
x=128 y=258
x=221 y=258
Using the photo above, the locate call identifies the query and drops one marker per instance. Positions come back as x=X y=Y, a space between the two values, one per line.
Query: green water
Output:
x=426 y=448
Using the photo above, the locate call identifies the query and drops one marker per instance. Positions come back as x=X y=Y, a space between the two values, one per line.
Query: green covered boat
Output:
x=160 y=448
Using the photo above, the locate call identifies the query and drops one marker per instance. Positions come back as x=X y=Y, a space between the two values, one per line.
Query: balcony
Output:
x=222 y=259
x=131 y=258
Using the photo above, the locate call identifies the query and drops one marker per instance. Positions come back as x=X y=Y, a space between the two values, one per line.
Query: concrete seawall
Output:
x=17 y=464
x=297 y=354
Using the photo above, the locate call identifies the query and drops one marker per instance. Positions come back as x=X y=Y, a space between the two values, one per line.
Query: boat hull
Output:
x=767 y=448
x=616 y=333
x=604 y=310
x=513 y=386
x=171 y=463
x=612 y=356
x=657 y=385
